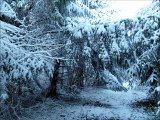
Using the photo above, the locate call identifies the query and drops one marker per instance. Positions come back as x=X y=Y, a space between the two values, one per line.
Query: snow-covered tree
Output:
x=69 y=43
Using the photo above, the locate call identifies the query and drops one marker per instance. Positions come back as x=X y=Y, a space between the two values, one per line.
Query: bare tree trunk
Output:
x=9 y=20
x=98 y=67
x=52 y=91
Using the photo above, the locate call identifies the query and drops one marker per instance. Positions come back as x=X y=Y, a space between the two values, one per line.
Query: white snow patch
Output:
x=77 y=34
x=126 y=84
x=101 y=29
x=157 y=89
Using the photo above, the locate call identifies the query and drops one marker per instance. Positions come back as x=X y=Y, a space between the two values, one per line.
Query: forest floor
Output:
x=92 y=104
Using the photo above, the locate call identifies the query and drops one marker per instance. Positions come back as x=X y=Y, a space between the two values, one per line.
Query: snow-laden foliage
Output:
x=88 y=47
x=103 y=53
x=75 y=8
x=22 y=67
x=146 y=41
x=101 y=29
x=115 y=50
x=111 y=81
x=122 y=38
x=21 y=78
x=6 y=9
x=151 y=10
x=24 y=72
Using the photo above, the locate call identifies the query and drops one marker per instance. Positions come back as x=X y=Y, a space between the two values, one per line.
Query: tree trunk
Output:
x=98 y=67
x=52 y=91
x=9 y=20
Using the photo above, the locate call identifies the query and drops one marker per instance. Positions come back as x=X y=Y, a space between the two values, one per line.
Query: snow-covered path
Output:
x=120 y=102
x=92 y=104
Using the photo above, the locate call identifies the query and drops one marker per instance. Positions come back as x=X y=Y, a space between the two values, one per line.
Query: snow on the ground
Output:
x=92 y=103
x=120 y=102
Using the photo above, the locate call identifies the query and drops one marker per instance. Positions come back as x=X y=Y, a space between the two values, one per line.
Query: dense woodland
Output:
x=52 y=48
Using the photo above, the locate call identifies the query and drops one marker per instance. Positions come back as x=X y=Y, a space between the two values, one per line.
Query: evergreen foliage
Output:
x=64 y=45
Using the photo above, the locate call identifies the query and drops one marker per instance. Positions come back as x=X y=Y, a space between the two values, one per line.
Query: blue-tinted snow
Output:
x=119 y=106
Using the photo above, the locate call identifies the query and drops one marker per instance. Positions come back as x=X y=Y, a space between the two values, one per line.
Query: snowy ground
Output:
x=92 y=104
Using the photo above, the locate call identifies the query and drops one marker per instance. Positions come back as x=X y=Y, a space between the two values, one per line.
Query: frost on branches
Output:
x=89 y=48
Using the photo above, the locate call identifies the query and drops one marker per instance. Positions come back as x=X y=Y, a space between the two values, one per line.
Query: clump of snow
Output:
x=101 y=29
x=87 y=28
x=111 y=27
x=157 y=89
x=126 y=84
x=77 y=34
